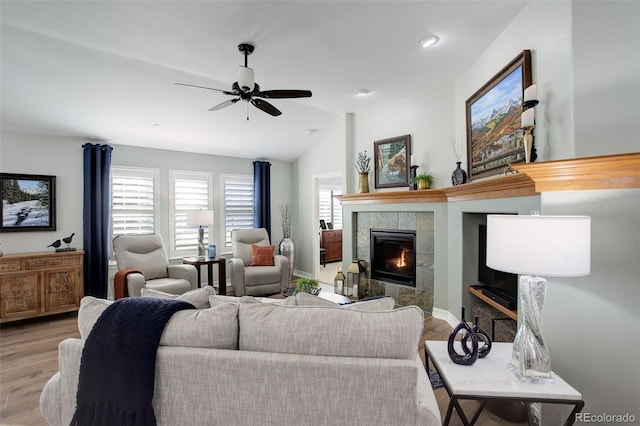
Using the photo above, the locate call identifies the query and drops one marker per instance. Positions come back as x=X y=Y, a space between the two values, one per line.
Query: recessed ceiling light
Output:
x=362 y=92
x=428 y=41
x=312 y=132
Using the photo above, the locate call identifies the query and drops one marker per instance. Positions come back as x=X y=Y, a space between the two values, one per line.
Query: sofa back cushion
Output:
x=330 y=331
x=215 y=328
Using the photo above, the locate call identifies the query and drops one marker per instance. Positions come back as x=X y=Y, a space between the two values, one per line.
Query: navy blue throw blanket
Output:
x=117 y=369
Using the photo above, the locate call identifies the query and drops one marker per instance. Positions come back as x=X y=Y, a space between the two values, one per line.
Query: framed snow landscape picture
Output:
x=28 y=202
x=494 y=133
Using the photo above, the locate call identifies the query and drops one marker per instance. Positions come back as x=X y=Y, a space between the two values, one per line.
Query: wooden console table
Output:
x=37 y=284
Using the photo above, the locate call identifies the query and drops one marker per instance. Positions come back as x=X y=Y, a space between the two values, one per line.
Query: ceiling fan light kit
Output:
x=248 y=90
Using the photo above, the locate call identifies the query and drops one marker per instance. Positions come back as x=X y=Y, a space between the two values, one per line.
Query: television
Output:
x=497 y=283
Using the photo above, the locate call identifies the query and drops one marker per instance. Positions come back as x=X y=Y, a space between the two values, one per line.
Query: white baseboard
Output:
x=446 y=316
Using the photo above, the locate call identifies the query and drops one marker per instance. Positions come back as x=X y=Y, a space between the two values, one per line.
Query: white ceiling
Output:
x=107 y=69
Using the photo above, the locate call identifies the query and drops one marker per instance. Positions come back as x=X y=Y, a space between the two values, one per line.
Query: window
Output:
x=238 y=204
x=330 y=207
x=133 y=201
x=189 y=191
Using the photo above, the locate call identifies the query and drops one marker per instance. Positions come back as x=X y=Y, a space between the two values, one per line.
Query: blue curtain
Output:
x=262 y=195
x=97 y=218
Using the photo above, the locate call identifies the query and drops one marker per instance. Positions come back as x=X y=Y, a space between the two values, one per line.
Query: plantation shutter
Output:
x=132 y=207
x=190 y=192
x=330 y=208
x=238 y=204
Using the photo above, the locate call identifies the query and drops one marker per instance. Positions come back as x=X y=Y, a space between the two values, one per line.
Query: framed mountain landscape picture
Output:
x=494 y=133
x=28 y=202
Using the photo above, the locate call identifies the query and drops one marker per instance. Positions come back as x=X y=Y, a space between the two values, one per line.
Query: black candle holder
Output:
x=413 y=185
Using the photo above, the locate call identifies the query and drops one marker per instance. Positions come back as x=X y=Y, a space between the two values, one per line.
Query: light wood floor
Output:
x=29 y=357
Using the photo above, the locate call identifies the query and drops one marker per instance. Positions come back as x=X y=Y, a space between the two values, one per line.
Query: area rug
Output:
x=434 y=378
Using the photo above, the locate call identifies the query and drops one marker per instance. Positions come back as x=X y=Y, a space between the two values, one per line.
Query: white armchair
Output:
x=249 y=280
x=142 y=262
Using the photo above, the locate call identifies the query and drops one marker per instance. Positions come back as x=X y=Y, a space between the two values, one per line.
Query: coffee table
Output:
x=490 y=379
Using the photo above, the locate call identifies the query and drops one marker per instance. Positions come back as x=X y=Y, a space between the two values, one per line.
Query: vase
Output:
x=423 y=184
x=363 y=182
x=459 y=176
x=288 y=249
x=470 y=355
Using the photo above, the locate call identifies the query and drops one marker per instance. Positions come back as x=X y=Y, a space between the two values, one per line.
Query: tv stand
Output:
x=477 y=292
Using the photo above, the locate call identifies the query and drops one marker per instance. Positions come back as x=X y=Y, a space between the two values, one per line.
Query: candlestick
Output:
x=413 y=159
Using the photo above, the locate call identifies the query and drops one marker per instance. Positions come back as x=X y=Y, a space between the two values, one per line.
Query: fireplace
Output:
x=393 y=256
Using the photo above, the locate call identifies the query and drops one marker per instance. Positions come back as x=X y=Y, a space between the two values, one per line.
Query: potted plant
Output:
x=307 y=285
x=424 y=180
x=363 y=165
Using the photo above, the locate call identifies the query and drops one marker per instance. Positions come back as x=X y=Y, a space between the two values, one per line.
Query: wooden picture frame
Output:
x=28 y=202
x=494 y=135
x=392 y=157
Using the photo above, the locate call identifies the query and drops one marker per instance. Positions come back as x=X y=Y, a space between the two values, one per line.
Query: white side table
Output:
x=490 y=379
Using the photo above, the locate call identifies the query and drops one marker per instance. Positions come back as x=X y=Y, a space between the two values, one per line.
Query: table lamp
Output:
x=200 y=218
x=553 y=246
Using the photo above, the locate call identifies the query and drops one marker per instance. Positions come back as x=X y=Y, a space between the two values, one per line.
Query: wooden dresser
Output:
x=331 y=242
x=37 y=284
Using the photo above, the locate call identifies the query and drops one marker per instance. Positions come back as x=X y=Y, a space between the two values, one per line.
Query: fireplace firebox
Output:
x=393 y=256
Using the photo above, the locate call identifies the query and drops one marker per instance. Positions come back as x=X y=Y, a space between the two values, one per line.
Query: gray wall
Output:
x=62 y=157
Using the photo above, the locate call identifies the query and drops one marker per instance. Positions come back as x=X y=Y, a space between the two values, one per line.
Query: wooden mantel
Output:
x=603 y=172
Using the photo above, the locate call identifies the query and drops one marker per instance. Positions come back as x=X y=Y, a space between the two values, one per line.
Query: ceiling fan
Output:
x=246 y=88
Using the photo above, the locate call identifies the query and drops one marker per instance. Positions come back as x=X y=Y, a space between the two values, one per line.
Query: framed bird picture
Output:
x=28 y=202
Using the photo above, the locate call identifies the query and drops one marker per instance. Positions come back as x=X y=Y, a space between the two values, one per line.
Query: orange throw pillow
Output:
x=262 y=255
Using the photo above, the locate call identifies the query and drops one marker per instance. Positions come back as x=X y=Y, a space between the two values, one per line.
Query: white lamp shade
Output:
x=552 y=246
x=199 y=217
x=246 y=80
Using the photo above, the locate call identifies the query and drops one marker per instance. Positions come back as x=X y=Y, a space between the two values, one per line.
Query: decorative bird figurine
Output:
x=55 y=244
x=68 y=239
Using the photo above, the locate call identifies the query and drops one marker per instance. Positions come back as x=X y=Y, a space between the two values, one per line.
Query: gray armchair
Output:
x=143 y=262
x=249 y=280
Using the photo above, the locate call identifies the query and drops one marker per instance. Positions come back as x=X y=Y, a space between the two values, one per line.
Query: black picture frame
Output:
x=329 y=225
x=392 y=158
x=323 y=224
x=493 y=113
x=28 y=202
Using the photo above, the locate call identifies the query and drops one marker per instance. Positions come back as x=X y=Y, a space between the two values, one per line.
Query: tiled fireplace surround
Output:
x=423 y=224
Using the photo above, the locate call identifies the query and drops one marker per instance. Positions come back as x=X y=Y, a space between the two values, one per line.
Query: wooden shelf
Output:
x=604 y=172
x=508 y=312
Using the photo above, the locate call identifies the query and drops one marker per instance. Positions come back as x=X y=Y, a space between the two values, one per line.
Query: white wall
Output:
x=590 y=323
x=427 y=118
x=606 y=69
x=325 y=158
x=545 y=29
x=62 y=157
x=57 y=156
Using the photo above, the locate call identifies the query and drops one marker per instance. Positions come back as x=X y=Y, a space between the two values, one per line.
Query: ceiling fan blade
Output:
x=226 y=92
x=224 y=104
x=266 y=107
x=282 y=94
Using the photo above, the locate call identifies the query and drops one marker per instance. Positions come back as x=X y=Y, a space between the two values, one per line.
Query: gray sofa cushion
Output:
x=215 y=328
x=329 y=331
x=217 y=300
x=198 y=297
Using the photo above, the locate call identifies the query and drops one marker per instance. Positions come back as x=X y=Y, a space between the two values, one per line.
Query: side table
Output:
x=490 y=379
x=210 y=261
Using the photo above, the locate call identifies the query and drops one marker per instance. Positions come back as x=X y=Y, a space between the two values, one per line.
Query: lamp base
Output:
x=201 y=250
x=530 y=359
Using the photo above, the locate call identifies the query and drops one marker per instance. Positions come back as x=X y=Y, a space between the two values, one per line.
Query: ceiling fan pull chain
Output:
x=247 y=111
